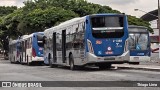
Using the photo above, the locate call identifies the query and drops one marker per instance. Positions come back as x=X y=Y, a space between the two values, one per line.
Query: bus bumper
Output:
x=139 y=58
x=37 y=59
x=124 y=58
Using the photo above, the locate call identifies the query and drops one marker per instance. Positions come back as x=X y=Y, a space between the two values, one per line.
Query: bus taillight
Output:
x=90 y=46
x=98 y=42
x=33 y=52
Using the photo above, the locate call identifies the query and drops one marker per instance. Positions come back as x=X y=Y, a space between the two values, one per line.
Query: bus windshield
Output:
x=138 y=41
x=40 y=40
x=107 y=26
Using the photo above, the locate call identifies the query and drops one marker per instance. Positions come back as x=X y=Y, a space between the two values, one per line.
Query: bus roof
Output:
x=67 y=23
x=102 y=14
x=135 y=28
x=28 y=36
x=73 y=21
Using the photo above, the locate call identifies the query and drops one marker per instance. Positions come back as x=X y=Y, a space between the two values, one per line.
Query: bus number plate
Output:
x=136 y=58
x=109 y=58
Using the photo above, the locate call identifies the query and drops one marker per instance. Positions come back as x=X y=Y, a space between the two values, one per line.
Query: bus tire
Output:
x=104 y=66
x=71 y=62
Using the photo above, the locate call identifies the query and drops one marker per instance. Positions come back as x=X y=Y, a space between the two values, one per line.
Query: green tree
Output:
x=132 y=20
x=6 y=10
x=39 y=20
x=37 y=15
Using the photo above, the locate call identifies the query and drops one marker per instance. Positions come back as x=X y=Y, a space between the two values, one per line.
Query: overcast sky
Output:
x=128 y=6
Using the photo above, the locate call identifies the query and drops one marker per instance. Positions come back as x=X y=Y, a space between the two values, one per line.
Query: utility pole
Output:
x=159 y=26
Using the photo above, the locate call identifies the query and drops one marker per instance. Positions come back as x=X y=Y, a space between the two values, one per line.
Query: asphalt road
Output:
x=17 y=72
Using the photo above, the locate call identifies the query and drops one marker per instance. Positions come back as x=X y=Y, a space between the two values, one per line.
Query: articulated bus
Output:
x=139 y=44
x=99 y=39
x=13 y=51
x=31 y=48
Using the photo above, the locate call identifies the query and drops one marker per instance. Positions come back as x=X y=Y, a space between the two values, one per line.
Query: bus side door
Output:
x=54 y=47
x=63 y=46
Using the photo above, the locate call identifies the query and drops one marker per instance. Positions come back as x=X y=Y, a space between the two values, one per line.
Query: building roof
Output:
x=149 y=17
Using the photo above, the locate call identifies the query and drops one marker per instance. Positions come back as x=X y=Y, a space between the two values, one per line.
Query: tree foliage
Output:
x=132 y=20
x=6 y=10
x=38 y=15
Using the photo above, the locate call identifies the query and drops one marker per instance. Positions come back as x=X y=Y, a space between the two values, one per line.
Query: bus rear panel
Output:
x=107 y=39
x=139 y=44
x=32 y=48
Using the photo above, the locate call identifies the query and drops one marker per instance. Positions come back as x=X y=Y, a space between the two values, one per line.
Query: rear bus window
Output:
x=40 y=40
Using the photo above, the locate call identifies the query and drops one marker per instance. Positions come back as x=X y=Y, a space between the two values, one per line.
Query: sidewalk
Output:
x=153 y=65
x=142 y=67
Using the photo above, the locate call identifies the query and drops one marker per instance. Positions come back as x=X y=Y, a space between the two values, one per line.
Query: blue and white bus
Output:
x=139 y=44
x=99 y=39
x=31 y=48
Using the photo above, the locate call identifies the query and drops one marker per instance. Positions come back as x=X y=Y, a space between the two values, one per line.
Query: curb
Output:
x=138 y=68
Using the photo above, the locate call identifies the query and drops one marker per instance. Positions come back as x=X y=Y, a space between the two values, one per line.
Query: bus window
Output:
x=78 y=40
x=40 y=40
x=143 y=41
x=132 y=41
x=138 y=41
x=107 y=27
x=59 y=42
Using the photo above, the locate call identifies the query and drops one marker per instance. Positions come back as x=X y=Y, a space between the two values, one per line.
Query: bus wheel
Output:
x=104 y=66
x=72 y=66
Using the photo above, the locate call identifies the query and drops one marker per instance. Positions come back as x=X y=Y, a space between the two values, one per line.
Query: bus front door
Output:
x=64 y=46
x=54 y=47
